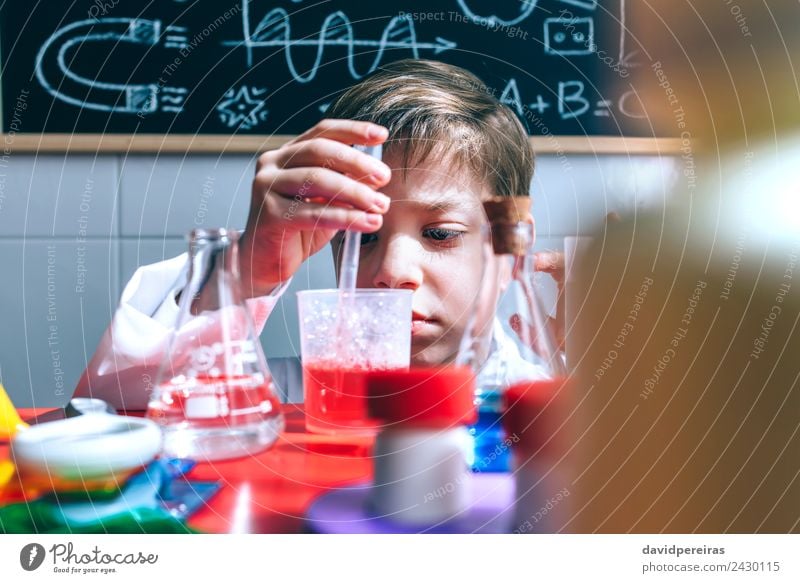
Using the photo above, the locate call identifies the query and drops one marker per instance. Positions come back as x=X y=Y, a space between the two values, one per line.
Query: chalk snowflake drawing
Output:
x=242 y=108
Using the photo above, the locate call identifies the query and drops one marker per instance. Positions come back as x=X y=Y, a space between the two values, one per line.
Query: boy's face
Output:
x=430 y=243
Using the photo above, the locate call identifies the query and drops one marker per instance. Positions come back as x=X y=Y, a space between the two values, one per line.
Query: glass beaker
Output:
x=214 y=397
x=343 y=336
x=508 y=340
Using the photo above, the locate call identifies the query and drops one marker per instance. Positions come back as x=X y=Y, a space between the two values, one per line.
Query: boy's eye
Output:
x=367 y=238
x=442 y=235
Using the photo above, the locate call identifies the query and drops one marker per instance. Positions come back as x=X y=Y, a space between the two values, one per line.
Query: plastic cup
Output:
x=343 y=336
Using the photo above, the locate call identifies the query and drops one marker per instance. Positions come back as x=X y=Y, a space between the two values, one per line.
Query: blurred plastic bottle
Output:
x=214 y=396
x=536 y=415
x=421 y=455
x=508 y=341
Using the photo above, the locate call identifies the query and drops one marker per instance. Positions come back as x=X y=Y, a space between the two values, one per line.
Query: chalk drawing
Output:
x=67 y=85
x=526 y=8
x=274 y=31
x=569 y=36
x=586 y=4
x=242 y=108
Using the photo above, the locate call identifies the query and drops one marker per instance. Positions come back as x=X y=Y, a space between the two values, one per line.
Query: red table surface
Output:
x=270 y=492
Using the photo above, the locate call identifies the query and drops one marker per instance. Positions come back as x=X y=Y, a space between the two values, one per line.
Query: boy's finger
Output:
x=325 y=153
x=346 y=131
x=309 y=217
x=330 y=188
x=550 y=262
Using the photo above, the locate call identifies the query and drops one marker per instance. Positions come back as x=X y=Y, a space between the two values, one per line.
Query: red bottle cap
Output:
x=428 y=397
x=535 y=414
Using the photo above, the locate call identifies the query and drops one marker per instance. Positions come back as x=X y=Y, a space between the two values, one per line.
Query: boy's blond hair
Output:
x=440 y=111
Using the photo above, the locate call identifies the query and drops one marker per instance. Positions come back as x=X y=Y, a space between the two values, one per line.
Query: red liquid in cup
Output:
x=336 y=400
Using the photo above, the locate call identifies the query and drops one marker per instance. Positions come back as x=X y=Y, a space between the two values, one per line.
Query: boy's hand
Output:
x=552 y=262
x=306 y=191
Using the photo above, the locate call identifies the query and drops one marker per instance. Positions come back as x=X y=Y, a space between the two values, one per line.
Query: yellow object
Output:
x=10 y=421
x=6 y=471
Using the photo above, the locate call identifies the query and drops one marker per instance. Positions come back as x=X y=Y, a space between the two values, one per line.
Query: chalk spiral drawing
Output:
x=526 y=8
x=242 y=108
x=274 y=30
x=116 y=97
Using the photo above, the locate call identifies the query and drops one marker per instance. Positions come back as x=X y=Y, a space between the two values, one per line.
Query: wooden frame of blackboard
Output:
x=217 y=144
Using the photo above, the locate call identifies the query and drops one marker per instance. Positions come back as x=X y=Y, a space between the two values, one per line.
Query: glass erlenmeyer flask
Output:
x=214 y=396
x=508 y=340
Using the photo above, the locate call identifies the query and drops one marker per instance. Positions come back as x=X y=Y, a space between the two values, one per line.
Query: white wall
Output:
x=74 y=228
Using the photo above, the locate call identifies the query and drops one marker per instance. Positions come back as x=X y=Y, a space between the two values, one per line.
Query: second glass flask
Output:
x=508 y=340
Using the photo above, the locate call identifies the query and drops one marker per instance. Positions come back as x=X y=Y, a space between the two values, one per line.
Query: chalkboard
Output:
x=241 y=67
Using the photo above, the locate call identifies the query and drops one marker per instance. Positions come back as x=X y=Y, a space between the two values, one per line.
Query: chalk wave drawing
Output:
x=274 y=30
x=242 y=108
x=54 y=74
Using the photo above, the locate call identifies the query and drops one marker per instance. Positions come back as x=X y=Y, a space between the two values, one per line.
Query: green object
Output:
x=155 y=500
x=44 y=517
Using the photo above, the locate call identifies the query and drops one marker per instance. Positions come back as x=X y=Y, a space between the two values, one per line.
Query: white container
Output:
x=422 y=476
x=423 y=454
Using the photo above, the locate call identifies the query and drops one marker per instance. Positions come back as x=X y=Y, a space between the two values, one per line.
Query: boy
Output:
x=448 y=145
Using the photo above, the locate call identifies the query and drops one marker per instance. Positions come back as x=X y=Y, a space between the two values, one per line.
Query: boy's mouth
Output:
x=421 y=324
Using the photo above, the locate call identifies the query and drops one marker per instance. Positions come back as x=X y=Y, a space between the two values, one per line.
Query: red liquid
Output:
x=213 y=402
x=336 y=400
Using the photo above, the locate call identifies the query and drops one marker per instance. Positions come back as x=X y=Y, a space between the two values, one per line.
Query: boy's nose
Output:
x=399 y=267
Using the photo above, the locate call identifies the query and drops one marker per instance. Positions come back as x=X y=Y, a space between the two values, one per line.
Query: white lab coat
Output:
x=126 y=362
x=505 y=366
